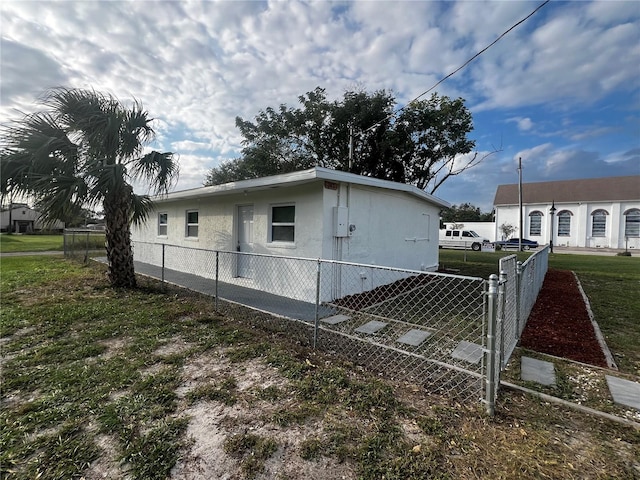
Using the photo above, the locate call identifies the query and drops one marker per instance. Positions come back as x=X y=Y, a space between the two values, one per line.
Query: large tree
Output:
x=423 y=144
x=84 y=150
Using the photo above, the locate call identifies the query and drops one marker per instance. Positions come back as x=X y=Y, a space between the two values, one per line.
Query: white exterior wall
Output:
x=217 y=221
x=581 y=224
x=392 y=229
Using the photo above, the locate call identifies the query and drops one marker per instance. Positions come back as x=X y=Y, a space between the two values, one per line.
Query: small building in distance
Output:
x=20 y=218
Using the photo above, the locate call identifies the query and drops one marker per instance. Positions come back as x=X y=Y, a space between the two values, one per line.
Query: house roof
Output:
x=608 y=189
x=298 y=178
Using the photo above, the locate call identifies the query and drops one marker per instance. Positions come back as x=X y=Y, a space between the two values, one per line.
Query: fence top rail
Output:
x=83 y=230
x=533 y=257
x=324 y=260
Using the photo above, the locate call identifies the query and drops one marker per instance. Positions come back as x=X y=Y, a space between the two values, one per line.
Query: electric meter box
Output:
x=340 y=221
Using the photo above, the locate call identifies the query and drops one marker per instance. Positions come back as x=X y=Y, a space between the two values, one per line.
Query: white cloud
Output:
x=189 y=146
x=197 y=65
x=524 y=123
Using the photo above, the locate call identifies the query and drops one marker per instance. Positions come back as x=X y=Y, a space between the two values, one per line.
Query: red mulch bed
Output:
x=559 y=323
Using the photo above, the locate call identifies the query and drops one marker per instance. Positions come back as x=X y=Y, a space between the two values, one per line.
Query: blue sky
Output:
x=561 y=91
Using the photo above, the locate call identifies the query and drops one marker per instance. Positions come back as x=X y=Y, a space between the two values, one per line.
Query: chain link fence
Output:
x=80 y=242
x=520 y=283
x=451 y=334
x=427 y=328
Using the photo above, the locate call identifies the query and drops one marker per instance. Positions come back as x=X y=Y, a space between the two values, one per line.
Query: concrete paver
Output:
x=414 y=337
x=539 y=371
x=335 y=319
x=467 y=351
x=371 y=327
x=624 y=392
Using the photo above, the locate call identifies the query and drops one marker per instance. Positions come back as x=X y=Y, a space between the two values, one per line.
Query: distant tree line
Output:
x=465 y=212
x=423 y=144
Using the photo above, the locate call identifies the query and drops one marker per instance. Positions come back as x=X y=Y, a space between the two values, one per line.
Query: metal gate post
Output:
x=490 y=394
x=217 y=272
x=518 y=300
x=317 y=313
x=86 y=251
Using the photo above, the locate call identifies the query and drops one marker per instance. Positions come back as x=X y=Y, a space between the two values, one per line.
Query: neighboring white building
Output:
x=24 y=220
x=316 y=213
x=595 y=212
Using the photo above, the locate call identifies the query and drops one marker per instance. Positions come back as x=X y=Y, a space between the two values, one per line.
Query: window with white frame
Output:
x=564 y=223
x=163 y=219
x=599 y=223
x=535 y=224
x=283 y=227
x=192 y=224
x=632 y=223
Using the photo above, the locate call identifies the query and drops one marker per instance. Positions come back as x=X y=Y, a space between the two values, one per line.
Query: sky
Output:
x=560 y=91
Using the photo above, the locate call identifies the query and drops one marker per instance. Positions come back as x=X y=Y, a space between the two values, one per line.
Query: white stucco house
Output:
x=20 y=218
x=317 y=213
x=594 y=212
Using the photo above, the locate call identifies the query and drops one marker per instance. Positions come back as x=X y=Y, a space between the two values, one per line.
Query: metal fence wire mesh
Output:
x=427 y=328
x=520 y=284
x=79 y=243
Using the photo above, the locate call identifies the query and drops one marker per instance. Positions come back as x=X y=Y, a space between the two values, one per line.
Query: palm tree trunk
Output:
x=117 y=210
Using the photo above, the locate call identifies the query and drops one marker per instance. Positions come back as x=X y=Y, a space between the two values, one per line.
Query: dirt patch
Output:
x=559 y=323
x=212 y=423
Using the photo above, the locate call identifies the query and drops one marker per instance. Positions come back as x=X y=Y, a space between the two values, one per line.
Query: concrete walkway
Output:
x=624 y=392
x=26 y=254
x=258 y=299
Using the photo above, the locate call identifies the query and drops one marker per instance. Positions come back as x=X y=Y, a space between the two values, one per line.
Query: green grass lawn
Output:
x=30 y=243
x=610 y=282
x=103 y=383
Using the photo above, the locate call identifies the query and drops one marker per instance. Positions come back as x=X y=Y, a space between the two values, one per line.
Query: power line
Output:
x=461 y=66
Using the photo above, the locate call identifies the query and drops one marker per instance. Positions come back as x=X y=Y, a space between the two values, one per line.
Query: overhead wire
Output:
x=460 y=67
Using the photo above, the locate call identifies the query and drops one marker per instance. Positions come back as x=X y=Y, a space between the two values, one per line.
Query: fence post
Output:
x=217 y=273
x=317 y=313
x=502 y=299
x=64 y=242
x=86 y=251
x=518 y=300
x=162 y=269
x=490 y=394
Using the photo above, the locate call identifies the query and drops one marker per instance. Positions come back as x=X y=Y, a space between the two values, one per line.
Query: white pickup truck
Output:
x=462 y=239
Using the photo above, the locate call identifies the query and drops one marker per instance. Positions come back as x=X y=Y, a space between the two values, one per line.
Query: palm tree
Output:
x=84 y=150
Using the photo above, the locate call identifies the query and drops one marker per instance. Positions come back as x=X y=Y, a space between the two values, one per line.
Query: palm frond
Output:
x=136 y=131
x=141 y=206
x=79 y=151
x=159 y=169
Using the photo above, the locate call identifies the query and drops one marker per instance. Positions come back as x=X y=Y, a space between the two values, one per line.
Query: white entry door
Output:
x=245 y=240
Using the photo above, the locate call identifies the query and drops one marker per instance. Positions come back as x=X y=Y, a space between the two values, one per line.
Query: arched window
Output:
x=564 y=223
x=599 y=223
x=535 y=223
x=632 y=223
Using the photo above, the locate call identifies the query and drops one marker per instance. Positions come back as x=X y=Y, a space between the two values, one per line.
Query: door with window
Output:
x=245 y=241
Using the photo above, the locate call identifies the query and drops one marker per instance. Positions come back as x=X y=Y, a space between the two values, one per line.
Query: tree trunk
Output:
x=117 y=209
